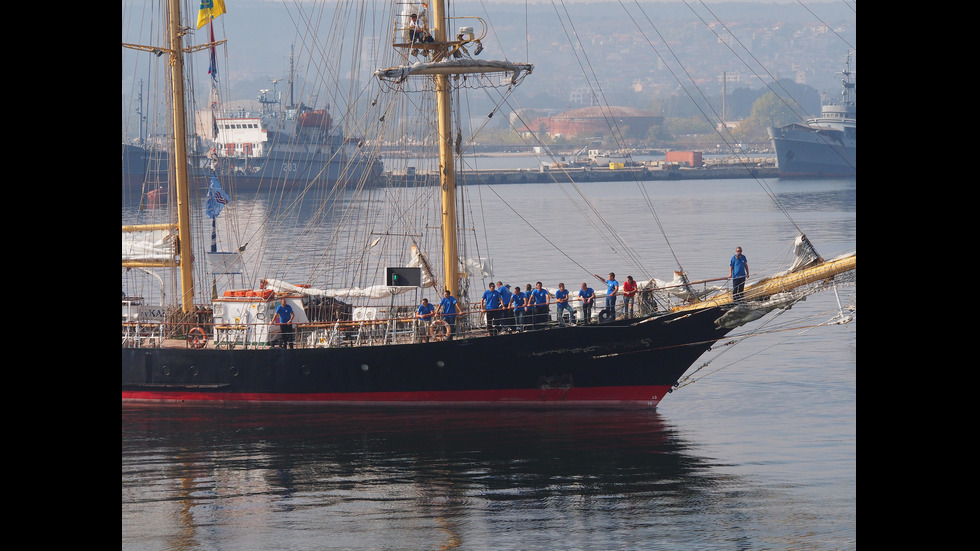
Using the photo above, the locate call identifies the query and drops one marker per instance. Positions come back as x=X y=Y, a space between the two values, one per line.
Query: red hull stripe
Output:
x=645 y=395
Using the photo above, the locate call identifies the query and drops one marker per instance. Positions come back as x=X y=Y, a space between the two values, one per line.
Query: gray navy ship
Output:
x=824 y=146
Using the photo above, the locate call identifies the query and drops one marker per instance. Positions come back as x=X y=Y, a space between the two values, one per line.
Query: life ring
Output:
x=439 y=335
x=197 y=338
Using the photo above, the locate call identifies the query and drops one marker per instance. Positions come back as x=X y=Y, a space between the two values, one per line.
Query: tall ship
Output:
x=358 y=336
x=824 y=146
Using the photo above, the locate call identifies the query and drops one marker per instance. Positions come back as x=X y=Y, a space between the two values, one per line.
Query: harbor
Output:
x=763 y=167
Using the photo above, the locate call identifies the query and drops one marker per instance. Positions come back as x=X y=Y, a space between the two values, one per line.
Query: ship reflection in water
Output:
x=317 y=478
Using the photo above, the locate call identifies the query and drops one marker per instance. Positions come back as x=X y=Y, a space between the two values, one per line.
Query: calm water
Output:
x=759 y=453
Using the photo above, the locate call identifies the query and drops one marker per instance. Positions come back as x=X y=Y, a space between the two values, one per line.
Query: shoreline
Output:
x=592 y=174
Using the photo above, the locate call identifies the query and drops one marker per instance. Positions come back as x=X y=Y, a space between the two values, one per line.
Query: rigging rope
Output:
x=688 y=378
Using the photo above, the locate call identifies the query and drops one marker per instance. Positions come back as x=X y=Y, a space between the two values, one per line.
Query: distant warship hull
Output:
x=803 y=152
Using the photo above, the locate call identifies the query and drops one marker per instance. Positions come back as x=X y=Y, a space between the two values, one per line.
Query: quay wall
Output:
x=590 y=174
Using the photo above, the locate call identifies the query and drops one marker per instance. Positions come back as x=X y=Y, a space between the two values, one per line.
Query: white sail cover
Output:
x=374 y=291
x=481 y=266
x=454 y=66
x=677 y=288
x=804 y=254
x=147 y=245
x=473 y=267
x=420 y=261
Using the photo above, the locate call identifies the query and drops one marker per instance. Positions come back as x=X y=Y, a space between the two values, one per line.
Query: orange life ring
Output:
x=197 y=338
x=439 y=335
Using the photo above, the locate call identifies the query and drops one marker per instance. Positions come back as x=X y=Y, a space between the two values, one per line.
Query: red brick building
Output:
x=597 y=121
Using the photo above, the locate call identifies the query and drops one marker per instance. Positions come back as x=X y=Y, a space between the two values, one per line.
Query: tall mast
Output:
x=447 y=165
x=180 y=161
x=449 y=58
x=184 y=249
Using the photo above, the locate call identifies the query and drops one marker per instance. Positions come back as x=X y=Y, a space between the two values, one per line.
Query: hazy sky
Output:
x=261 y=34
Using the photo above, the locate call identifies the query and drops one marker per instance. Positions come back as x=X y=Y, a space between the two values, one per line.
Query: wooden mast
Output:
x=447 y=165
x=449 y=60
x=180 y=161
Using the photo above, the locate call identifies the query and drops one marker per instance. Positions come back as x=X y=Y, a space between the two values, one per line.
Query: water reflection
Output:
x=440 y=475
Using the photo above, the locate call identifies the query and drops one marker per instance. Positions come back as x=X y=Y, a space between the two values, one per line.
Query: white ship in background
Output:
x=282 y=145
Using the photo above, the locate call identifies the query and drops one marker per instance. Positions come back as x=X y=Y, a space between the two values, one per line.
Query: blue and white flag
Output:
x=216 y=198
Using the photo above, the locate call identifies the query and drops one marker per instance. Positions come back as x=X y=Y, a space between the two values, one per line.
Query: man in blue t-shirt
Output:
x=284 y=317
x=490 y=304
x=738 y=270
x=425 y=314
x=448 y=311
x=517 y=301
x=588 y=300
x=539 y=298
x=507 y=315
x=612 y=286
x=561 y=297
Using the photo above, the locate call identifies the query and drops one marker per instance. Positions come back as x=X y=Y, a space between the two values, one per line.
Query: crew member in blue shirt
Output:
x=561 y=297
x=448 y=309
x=738 y=270
x=507 y=315
x=425 y=314
x=539 y=298
x=517 y=301
x=588 y=300
x=612 y=286
x=490 y=303
x=284 y=317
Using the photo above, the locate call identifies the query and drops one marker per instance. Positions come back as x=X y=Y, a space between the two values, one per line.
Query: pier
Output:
x=594 y=174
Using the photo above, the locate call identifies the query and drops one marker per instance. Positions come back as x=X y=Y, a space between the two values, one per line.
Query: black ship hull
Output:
x=627 y=362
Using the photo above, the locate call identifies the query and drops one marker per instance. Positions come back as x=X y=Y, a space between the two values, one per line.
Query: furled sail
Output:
x=371 y=292
x=453 y=67
x=420 y=261
x=149 y=245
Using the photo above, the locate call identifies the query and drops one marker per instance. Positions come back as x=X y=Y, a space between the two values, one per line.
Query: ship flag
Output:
x=216 y=198
x=213 y=67
x=209 y=10
x=213 y=71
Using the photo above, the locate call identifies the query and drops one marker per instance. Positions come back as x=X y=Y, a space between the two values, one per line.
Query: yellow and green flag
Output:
x=209 y=10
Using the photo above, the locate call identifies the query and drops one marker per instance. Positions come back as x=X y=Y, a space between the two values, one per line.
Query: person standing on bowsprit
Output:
x=738 y=271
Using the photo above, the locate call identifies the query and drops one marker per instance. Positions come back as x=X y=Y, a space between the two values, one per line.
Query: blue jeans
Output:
x=628 y=303
x=611 y=306
x=571 y=313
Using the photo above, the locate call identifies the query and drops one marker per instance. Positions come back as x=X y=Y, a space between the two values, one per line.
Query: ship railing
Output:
x=142 y=334
x=399 y=329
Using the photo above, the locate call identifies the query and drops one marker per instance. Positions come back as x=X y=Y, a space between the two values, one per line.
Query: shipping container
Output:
x=690 y=158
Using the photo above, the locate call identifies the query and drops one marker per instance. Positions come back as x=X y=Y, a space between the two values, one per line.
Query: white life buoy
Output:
x=439 y=330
